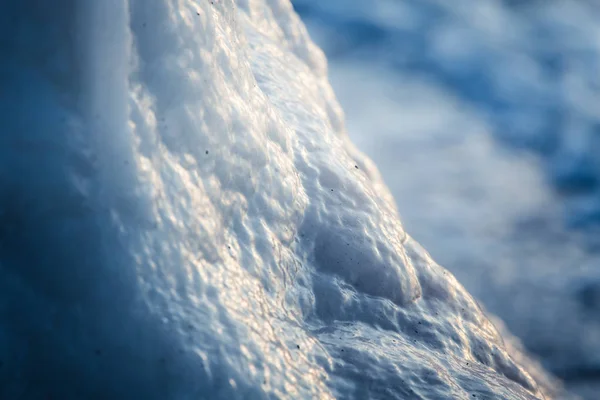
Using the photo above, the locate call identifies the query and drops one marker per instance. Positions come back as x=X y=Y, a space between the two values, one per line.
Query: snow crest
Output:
x=183 y=216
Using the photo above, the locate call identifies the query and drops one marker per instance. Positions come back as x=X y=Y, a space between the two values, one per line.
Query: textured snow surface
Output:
x=183 y=216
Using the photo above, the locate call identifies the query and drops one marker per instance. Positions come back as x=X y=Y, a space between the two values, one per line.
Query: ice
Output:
x=183 y=216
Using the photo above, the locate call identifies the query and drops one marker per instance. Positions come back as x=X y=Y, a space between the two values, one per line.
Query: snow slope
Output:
x=183 y=216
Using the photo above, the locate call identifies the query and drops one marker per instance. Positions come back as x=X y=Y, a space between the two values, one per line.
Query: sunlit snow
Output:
x=183 y=216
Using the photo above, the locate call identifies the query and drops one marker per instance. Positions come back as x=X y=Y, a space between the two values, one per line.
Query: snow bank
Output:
x=183 y=216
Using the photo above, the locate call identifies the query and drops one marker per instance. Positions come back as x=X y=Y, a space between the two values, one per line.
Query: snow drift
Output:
x=183 y=216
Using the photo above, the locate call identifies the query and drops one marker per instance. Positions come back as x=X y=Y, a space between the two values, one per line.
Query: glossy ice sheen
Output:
x=183 y=216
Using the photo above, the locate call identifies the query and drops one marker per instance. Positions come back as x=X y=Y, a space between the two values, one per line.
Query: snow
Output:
x=184 y=216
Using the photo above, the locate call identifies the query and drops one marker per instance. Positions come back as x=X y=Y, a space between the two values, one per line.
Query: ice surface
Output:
x=183 y=216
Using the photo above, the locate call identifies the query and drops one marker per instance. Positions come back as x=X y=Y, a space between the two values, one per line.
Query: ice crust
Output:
x=183 y=216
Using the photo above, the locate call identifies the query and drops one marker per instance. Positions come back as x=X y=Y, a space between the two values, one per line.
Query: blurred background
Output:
x=483 y=118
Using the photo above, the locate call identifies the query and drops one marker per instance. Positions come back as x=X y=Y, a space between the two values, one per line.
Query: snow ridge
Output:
x=183 y=216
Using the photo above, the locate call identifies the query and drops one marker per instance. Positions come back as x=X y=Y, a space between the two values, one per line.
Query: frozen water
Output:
x=183 y=216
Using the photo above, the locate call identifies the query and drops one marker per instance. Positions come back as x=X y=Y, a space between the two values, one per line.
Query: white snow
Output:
x=183 y=216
